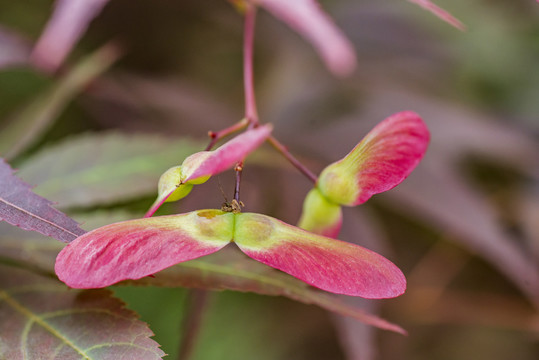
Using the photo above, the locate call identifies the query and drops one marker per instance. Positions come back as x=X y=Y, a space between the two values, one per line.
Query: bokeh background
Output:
x=464 y=227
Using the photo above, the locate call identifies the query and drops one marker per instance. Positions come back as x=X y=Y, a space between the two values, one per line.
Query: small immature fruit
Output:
x=170 y=181
x=178 y=181
x=320 y=216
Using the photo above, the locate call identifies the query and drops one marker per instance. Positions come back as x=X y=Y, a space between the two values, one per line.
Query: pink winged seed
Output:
x=228 y=154
x=209 y=163
x=161 y=199
x=331 y=231
x=381 y=161
x=138 y=248
x=328 y=264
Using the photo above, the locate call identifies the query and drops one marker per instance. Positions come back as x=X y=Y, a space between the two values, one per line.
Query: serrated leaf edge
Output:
x=32 y=318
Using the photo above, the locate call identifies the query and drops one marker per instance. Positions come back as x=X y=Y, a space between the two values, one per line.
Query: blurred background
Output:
x=464 y=227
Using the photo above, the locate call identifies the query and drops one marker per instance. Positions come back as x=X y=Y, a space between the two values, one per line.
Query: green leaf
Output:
x=229 y=269
x=42 y=318
x=36 y=117
x=96 y=169
x=282 y=330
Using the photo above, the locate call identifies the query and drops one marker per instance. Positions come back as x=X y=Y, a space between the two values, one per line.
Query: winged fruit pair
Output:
x=138 y=248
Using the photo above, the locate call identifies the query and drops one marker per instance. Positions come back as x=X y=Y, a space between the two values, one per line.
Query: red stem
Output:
x=292 y=159
x=197 y=303
x=216 y=136
x=239 y=170
x=251 y=112
x=250 y=102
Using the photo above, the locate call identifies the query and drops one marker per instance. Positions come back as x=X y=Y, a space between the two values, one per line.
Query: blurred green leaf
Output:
x=43 y=318
x=99 y=169
x=164 y=319
x=19 y=86
x=33 y=119
x=249 y=326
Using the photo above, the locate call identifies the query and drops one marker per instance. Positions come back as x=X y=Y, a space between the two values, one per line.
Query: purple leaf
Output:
x=42 y=319
x=19 y=206
x=306 y=17
x=67 y=24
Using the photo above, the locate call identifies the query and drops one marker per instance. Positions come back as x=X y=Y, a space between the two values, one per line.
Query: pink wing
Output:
x=138 y=248
x=226 y=156
x=328 y=264
x=381 y=161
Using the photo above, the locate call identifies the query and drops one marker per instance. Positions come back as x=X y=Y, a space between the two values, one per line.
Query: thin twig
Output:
x=238 y=169
x=216 y=136
x=251 y=112
x=197 y=302
x=292 y=159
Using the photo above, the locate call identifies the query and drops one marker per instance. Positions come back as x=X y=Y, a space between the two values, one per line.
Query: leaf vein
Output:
x=37 y=217
x=34 y=318
x=53 y=314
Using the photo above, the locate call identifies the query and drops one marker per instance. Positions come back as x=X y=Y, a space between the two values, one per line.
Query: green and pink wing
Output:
x=138 y=248
x=320 y=216
x=325 y=263
x=381 y=161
